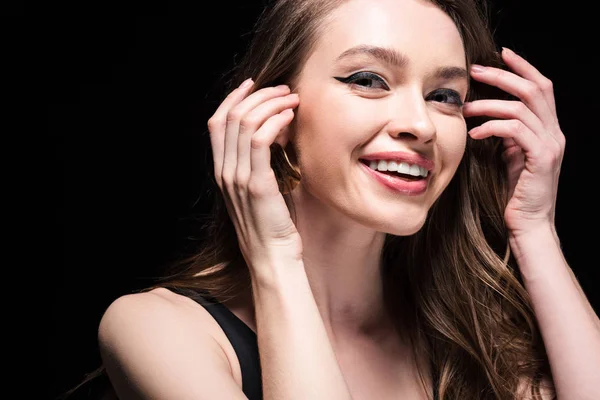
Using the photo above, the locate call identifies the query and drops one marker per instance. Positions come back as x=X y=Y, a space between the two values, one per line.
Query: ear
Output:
x=286 y=140
x=286 y=134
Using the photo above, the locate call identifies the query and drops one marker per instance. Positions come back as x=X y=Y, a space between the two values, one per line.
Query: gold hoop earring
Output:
x=290 y=163
x=290 y=181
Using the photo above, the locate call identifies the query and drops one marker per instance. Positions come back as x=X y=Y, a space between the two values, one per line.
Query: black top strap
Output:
x=242 y=338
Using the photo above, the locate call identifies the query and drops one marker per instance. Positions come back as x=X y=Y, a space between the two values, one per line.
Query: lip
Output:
x=401 y=156
x=409 y=188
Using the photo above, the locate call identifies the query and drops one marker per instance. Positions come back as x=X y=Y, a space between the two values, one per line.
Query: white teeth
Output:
x=403 y=168
x=415 y=170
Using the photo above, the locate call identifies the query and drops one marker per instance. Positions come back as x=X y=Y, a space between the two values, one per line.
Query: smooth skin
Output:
x=159 y=345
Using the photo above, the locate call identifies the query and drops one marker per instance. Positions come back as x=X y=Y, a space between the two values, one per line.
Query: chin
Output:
x=406 y=221
x=404 y=228
x=399 y=225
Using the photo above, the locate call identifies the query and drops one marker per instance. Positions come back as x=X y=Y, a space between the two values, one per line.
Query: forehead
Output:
x=417 y=28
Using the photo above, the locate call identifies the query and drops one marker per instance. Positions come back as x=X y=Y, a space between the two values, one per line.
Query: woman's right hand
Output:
x=241 y=131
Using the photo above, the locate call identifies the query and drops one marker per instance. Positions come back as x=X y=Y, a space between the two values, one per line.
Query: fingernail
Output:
x=507 y=50
x=282 y=87
x=246 y=83
x=477 y=68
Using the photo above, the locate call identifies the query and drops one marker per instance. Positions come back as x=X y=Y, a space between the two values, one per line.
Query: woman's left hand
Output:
x=533 y=141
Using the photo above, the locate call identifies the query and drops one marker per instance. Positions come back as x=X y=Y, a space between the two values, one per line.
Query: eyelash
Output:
x=352 y=79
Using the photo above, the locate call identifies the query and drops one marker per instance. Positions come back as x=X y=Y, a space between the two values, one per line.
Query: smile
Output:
x=400 y=183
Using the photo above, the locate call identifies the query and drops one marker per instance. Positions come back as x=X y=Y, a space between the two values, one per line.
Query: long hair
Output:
x=458 y=297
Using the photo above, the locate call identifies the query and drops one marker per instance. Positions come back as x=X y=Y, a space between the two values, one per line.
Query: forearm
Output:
x=569 y=326
x=297 y=359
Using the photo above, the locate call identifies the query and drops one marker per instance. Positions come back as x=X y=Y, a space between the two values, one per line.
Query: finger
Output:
x=217 y=123
x=507 y=110
x=527 y=91
x=522 y=67
x=234 y=117
x=509 y=143
x=513 y=129
x=251 y=123
x=260 y=156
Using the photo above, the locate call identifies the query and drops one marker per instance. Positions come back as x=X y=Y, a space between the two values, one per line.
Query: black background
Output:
x=127 y=93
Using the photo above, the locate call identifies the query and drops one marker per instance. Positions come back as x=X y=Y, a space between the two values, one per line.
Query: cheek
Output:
x=330 y=127
x=456 y=149
x=452 y=143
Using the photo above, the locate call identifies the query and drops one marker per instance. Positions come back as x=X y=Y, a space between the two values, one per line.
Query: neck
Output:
x=343 y=263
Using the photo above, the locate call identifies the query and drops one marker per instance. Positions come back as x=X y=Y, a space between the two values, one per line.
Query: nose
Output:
x=410 y=118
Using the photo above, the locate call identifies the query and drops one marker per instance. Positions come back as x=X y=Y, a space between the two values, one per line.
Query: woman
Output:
x=439 y=275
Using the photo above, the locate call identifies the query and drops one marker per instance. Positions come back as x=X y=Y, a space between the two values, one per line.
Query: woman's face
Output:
x=385 y=76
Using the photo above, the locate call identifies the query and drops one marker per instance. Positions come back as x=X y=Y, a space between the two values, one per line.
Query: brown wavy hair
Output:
x=459 y=297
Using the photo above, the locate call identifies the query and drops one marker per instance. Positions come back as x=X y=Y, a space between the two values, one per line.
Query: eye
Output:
x=447 y=96
x=367 y=80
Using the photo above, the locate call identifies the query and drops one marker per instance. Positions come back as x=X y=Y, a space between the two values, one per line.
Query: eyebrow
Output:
x=400 y=60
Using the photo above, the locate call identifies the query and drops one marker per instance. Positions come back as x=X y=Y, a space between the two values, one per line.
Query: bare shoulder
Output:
x=546 y=389
x=161 y=345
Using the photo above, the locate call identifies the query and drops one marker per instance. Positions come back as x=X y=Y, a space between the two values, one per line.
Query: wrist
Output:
x=276 y=274
x=543 y=232
x=531 y=248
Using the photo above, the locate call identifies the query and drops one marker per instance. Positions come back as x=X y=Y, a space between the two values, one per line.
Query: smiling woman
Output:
x=383 y=226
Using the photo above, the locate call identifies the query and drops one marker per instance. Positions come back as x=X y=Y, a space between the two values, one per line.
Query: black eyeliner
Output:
x=361 y=75
x=343 y=80
x=451 y=93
